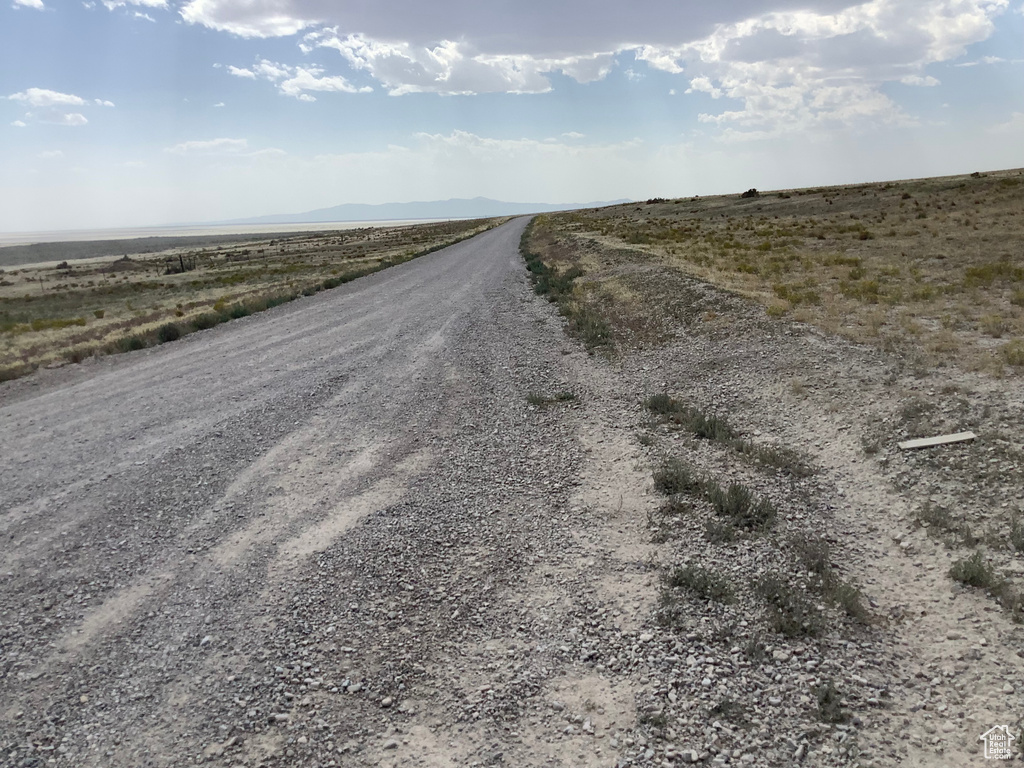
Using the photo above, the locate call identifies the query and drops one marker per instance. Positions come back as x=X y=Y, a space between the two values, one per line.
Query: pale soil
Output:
x=337 y=534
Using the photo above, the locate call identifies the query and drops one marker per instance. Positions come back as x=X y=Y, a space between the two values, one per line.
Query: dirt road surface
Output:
x=270 y=540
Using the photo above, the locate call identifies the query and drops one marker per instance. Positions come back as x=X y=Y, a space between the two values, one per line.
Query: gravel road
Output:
x=261 y=544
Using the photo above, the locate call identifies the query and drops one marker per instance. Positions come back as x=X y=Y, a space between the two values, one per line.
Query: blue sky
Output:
x=147 y=112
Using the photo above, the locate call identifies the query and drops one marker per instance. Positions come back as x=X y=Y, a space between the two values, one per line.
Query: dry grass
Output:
x=932 y=265
x=66 y=313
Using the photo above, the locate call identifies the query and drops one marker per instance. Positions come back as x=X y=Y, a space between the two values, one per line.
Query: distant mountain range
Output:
x=477 y=208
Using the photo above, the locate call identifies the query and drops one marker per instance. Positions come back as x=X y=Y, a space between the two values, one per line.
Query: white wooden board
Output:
x=928 y=442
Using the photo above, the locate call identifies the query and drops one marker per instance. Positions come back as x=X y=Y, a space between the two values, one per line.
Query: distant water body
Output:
x=79 y=235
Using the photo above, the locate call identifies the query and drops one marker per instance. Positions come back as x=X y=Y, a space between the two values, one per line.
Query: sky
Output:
x=125 y=113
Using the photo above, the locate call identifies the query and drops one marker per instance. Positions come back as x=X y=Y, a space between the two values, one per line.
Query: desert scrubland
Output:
x=611 y=487
x=76 y=305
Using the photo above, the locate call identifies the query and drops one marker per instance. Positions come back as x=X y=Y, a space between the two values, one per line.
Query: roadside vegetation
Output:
x=930 y=268
x=65 y=313
x=560 y=284
x=929 y=272
x=714 y=427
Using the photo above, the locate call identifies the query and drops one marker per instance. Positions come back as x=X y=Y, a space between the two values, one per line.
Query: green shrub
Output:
x=206 y=320
x=701 y=583
x=1017 y=533
x=662 y=404
x=1013 y=353
x=130 y=343
x=168 y=332
x=814 y=554
x=848 y=597
x=789 y=612
x=706 y=426
x=739 y=505
x=674 y=476
x=941 y=523
x=774 y=456
x=587 y=324
x=974 y=571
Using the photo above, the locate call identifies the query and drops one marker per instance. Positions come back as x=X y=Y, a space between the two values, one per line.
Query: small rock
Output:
x=386 y=702
x=391 y=744
x=1007 y=688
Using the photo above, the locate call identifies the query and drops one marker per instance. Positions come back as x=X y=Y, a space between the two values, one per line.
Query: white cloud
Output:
x=296 y=81
x=704 y=85
x=573 y=135
x=309 y=80
x=52 y=154
x=19 y=124
x=801 y=70
x=114 y=4
x=455 y=67
x=72 y=119
x=143 y=16
x=41 y=97
x=270 y=70
x=212 y=146
x=988 y=60
x=926 y=82
x=51 y=106
x=270 y=19
x=798 y=65
x=218 y=105
x=37 y=4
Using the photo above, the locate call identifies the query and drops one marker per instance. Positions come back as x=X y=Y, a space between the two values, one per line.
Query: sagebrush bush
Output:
x=789 y=612
x=701 y=583
x=168 y=332
x=741 y=506
x=674 y=476
x=974 y=570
